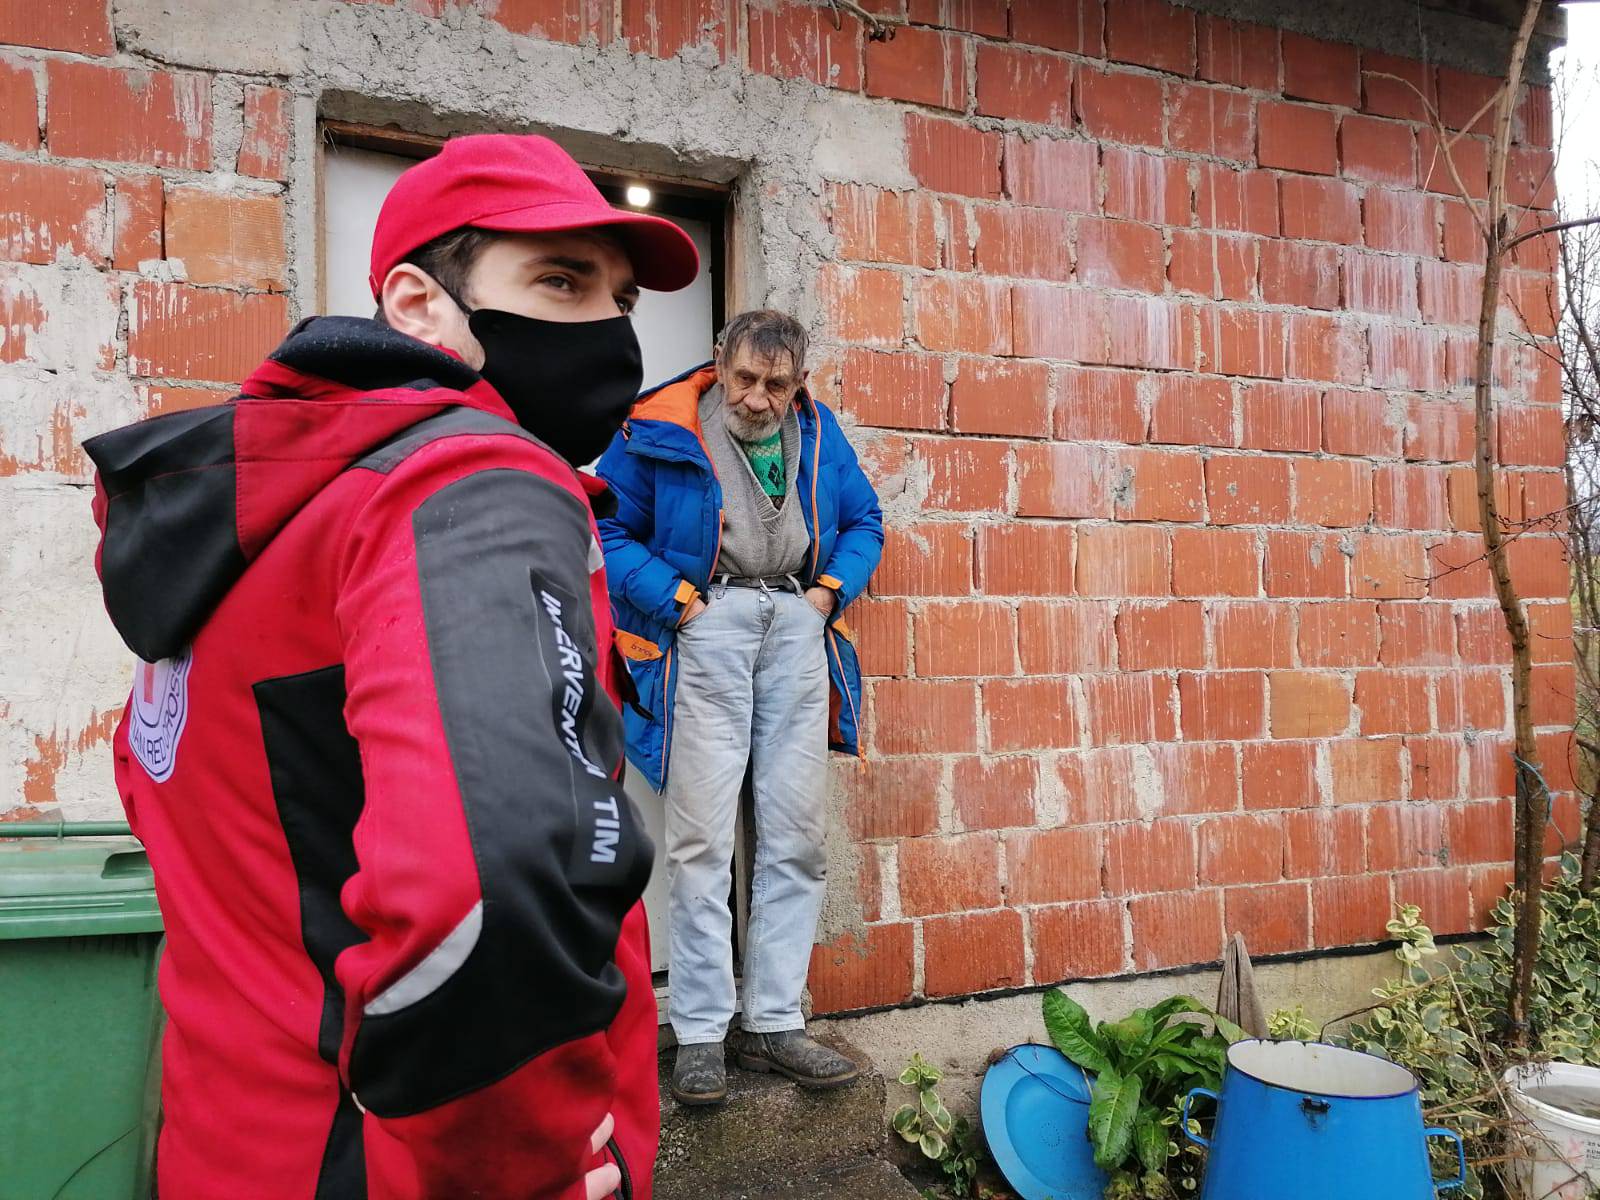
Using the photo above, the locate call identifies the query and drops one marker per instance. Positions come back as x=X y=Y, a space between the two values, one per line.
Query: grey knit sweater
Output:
x=758 y=537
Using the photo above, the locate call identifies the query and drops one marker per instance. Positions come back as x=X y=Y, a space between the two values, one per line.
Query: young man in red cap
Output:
x=373 y=745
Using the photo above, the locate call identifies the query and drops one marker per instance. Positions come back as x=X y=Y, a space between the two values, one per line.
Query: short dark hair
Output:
x=768 y=333
x=449 y=259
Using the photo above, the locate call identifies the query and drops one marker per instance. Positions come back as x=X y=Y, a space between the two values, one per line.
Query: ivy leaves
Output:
x=949 y=1142
x=1446 y=1026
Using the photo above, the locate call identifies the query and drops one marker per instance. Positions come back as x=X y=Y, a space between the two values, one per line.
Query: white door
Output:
x=675 y=333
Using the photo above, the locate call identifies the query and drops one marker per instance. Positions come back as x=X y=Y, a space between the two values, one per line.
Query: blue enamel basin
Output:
x=1035 y=1107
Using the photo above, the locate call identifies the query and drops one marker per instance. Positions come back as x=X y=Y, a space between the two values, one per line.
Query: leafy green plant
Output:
x=1142 y=1067
x=950 y=1143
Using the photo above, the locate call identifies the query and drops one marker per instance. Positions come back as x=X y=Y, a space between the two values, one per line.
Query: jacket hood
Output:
x=677 y=401
x=186 y=501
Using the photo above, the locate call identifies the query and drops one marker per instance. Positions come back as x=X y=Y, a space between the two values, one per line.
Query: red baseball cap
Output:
x=519 y=183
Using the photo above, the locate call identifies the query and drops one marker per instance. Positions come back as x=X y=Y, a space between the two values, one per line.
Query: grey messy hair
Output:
x=767 y=333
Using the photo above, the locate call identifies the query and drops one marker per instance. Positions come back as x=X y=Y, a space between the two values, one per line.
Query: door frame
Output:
x=673 y=196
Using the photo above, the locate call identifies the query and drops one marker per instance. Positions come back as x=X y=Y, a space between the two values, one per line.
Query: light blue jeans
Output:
x=752 y=688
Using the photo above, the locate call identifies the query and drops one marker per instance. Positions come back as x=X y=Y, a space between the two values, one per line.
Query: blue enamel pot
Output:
x=1305 y=1121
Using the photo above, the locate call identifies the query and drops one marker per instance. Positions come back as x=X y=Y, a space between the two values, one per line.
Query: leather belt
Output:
x=764 y=583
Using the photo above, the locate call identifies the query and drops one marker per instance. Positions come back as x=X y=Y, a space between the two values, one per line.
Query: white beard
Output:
x=750 y=428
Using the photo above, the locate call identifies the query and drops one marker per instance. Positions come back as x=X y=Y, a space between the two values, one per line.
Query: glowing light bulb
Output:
x=639 y=196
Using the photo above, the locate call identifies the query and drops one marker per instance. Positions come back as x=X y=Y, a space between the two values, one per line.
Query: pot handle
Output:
x=1461 y=1156
x=1195 y=1137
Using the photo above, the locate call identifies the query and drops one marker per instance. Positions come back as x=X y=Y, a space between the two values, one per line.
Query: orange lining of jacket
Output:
x=635 y=647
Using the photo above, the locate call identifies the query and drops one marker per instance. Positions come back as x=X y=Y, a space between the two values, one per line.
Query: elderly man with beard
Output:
x=744 y=528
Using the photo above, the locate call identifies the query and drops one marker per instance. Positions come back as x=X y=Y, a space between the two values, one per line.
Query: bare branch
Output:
x=1532 y=796
x=1480 y=114
x=1576 y=223
x=1445 y=142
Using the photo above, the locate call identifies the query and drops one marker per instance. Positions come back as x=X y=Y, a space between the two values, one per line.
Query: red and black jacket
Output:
x=374 y=751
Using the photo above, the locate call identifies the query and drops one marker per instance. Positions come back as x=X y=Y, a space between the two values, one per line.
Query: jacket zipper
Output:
x=625 y=1191
x=666 y=713
x=844 y=688
x=666 y=673
x=816 y=469
x=816 y=571
x=716 y=553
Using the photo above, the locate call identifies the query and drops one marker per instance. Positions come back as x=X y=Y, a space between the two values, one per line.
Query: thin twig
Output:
x=1443 y=147
x=1496 y=1084
x=1488 y=104
x=1576 y=223
x=1529 y=209
x=1383 y=1002
x=1575 y=308
x=1511 y=532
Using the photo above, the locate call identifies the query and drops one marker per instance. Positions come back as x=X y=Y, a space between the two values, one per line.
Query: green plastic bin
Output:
x=80 y=934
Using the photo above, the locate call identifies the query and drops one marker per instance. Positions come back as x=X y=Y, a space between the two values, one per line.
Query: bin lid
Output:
x=76 y=889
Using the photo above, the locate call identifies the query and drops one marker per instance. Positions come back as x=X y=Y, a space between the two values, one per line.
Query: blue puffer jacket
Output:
x=661 y=546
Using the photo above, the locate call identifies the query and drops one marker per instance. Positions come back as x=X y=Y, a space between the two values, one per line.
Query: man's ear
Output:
x=407 y=297
x=414 y=304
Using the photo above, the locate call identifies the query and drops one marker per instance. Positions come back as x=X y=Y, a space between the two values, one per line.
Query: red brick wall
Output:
x=1163 y=369
x=1183 y=635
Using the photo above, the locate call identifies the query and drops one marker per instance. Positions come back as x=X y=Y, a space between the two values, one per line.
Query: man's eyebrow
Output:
x=569 y=262
x=586 y=267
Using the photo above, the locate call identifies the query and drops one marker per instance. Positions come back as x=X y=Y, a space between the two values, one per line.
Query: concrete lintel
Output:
x=260 y=37
x=1410 y=30
x=778 y=143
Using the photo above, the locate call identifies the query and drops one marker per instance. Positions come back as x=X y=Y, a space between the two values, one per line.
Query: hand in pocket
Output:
x=603 y=1181
x=692 y=613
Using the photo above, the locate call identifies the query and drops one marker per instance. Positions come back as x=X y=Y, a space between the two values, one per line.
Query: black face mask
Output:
x=570 y=384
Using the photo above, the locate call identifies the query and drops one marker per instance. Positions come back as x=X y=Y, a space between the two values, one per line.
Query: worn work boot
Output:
x=700 y=1076
x=807 y=1062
